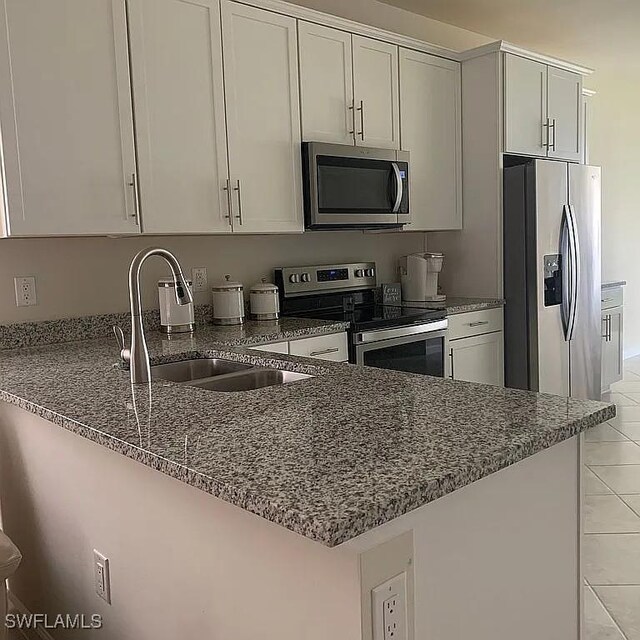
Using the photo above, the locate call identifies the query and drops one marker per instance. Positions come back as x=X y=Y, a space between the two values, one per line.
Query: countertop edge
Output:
x=329 y=534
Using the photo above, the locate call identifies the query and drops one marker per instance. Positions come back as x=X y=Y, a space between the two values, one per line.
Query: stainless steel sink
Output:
x=196 y=369
x=253 y=379
x=216 y=374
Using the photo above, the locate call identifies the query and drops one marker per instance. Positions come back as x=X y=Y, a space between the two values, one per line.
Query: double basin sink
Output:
x=216 y=374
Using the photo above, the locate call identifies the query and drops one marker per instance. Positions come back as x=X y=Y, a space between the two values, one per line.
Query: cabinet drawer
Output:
x=331 y=347
x=273 y=347
x=611 y=298
x=463 y=325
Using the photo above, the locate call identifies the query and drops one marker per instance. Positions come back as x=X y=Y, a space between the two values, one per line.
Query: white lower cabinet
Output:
x=273 y=347
x=612 y=341
x=476 y=347
x=329 y=347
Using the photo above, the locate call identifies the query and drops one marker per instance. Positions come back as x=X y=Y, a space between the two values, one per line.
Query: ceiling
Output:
x=591 y=32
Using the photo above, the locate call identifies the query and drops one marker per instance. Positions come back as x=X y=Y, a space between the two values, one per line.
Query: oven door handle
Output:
x=399 y=187
x=400 y=332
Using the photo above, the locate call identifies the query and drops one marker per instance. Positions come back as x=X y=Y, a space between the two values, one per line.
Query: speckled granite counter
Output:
x=456 y=304
x=613 y=284
x=329 y=457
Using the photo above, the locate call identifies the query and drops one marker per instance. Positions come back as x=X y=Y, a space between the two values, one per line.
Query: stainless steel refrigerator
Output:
x=552 y=277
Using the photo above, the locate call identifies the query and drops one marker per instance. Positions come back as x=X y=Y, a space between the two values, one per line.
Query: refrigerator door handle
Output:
x=574 y=254
x=565 y=265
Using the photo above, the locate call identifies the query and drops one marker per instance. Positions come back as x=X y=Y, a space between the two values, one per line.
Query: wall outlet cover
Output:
x=25 y=291
x=199 y=277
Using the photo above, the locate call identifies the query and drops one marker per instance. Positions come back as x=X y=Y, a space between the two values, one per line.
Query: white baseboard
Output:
x=30 y=634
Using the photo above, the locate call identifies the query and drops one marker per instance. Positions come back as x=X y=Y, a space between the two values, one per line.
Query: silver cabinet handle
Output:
x=605 y=300
x=237 y=188
x=352 y=114
x=323 y=352
x=451 y=362
x=545 y=134
x=552 y=126
x=479 y=323
x=606 y=331
x=227 y=188
x=609 y=318
x=361 y=110
x=136 y=198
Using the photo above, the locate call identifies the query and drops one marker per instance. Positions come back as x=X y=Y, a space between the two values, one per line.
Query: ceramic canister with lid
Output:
x=174 y=317
x=228 y=302
x=264 y=301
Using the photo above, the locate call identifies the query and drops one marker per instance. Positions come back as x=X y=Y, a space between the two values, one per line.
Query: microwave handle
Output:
x=399 y=187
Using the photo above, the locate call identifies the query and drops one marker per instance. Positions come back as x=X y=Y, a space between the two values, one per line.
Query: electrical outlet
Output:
x=25 y=291
x=389 y=609
x=101 y=575
x=199 y=277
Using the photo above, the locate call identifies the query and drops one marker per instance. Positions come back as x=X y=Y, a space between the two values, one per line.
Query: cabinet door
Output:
x=478 y=359
x=375 y=83
x=525 y=106
x=65 y=113
x=564 y=95
x=326 y=84
x=430 y=129
x=612 y=347
x=263 y=119
x=176 y=56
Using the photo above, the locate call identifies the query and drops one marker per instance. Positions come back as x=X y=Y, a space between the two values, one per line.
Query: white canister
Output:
x=228 y=302
x=174 y=317
x=264 y=301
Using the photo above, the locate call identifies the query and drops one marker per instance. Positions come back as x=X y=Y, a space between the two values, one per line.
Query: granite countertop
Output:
x=458 y=304
x=613 y=284
x=329 y=457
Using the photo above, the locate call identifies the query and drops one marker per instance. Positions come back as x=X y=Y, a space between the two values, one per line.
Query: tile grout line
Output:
x=615 y=622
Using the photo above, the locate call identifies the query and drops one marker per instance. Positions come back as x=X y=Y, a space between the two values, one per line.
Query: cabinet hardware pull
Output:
x=605 y=300
x=361 y=110
x=324 y=351
x=227 y=188
x=609 y=318
x=237 y=188
x=451 y=361
x=479 y=323
x=545 y=134
x=136 y=199
x=352 y=114
x=553 y=126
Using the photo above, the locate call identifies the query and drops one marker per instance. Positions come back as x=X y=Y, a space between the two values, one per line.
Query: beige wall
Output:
x=614 y=140
x=84 y=276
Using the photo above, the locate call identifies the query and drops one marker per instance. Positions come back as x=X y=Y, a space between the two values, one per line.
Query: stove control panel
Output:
x=307 y=280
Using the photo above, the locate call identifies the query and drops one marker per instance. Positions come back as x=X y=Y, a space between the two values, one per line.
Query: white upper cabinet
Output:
x=376 y=93
x=431 y=132
x=565 y=114
x=525 y=106
x=263 y=119
x=65 y=114
x=176 y=53
x=326 y=84
x=542 y=110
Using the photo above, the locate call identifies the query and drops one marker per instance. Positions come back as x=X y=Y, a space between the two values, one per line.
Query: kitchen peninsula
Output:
x=293 y=501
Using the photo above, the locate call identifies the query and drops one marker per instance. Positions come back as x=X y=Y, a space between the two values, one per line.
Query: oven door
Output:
x=419 y=352
x=355 y=187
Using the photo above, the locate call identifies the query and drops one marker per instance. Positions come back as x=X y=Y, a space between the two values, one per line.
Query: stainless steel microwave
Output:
x=354 y=187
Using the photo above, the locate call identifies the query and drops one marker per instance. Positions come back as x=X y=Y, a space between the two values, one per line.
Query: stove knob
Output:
x=294 y=277
x=305 y=277
x=360 y=273
x=370 y=273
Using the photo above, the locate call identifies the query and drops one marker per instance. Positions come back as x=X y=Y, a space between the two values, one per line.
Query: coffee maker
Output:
x=419 y=277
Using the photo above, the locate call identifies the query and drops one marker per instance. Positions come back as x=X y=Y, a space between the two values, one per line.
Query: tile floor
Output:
x=612 y=517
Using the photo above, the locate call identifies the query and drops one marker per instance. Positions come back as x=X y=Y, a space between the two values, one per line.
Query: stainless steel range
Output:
x=390 y=337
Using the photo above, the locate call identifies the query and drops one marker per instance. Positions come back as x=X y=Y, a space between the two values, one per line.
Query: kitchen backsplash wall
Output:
x=86 y=276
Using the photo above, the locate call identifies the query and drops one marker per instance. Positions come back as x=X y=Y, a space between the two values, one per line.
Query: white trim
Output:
x=507 y=47
x=357 y=28
x=33 y=634
x=589 y=93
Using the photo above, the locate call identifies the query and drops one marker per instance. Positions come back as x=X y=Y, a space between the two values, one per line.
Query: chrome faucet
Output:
x=137 y=355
